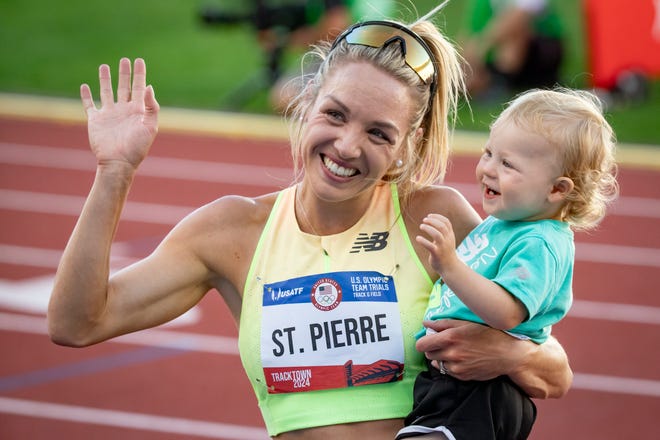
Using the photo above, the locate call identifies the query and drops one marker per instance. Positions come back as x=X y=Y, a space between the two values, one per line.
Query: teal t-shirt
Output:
x=531 y=260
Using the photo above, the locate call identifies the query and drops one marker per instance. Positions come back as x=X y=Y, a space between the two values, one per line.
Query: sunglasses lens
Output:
x=376 y=35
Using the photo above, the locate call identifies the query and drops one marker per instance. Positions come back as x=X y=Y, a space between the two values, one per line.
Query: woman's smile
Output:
x=336 y=169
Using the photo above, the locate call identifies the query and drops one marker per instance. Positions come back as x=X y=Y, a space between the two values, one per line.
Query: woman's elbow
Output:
x=61 y=334
x=554 y=389
x=60 y=337
x=562 y=386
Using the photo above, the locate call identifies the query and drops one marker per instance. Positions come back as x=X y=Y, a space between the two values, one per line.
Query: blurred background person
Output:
x=511 y=45
x=326 y=19
x=285 y=29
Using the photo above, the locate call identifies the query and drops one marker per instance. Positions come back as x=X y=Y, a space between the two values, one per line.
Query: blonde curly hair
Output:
x=573 y=122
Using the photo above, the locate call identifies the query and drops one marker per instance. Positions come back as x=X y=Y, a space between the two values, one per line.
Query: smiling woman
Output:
x=316 y=269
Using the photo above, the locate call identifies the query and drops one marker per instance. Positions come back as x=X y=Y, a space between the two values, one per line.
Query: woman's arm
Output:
x=544 y=371
x=86 y=306
x=472 y=351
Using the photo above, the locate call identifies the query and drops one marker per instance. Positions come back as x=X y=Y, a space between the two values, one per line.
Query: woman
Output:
x=322 y=277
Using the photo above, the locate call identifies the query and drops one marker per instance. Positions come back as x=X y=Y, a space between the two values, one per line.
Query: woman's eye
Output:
x=333 y=114
x=380 y=134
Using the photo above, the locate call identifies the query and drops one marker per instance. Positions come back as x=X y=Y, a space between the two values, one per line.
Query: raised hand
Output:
x=122 y=131
x=440 y=242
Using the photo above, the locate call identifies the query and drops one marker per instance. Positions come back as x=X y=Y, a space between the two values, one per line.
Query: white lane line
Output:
x=615 y=254
x=155 y=337
x=27 y=201
x=129 y=420
x=221 y=172
x=615 y=312
x=588 y=252
x=49 y=258
x=30 y=256
x=153 y=166
x=614 y=384
x=636 y=207
x=196 y=342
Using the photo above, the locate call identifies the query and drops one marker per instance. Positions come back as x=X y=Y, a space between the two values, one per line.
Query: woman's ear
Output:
x=562 y=187
x=418 y=135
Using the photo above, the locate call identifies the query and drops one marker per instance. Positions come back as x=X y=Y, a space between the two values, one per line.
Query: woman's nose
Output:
x=348 y=144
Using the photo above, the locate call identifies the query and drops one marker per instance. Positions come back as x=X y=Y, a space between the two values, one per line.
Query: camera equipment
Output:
x=263 y=14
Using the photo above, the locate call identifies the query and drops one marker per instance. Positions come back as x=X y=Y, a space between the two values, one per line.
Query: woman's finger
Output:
x=107 y=97
x=151 y=108
x=86 y=98
x=124 y=83
x=139 y=80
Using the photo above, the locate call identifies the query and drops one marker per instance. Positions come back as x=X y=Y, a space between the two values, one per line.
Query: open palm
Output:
x=122 y=130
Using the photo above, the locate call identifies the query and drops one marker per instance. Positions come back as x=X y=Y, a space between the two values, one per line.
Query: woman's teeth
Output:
x=338 y=170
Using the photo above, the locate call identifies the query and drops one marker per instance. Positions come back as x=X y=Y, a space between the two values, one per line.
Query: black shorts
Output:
x=494 y=409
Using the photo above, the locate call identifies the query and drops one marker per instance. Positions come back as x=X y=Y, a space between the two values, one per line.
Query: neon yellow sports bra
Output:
x=327 y=322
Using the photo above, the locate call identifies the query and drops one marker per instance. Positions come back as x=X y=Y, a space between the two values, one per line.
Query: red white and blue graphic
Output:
x=331 y=330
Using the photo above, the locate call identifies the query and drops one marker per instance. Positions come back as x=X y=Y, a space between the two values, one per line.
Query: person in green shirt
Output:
x=511 y=45
x=325 y=19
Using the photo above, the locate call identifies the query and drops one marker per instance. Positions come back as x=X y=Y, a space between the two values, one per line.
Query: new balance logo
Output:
x=369 y=243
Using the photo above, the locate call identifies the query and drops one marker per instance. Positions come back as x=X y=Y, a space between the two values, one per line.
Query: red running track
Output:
x=185 y=380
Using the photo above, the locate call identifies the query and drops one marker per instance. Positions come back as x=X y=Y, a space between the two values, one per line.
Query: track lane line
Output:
x=153 y=166
x=241 y=174
x=225 y=345
x=28 y=201
x=154 y=337
x=32 y=256
x=129 y=420
x=615 y=384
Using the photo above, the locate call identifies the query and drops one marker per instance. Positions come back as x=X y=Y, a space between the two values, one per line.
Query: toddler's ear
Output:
x=561 y=188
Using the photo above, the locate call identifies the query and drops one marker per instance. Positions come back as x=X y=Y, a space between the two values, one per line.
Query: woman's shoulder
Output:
x=224 y=233
x=444 y=200
x=440 y=199
x=234 y=217
x=239 y=211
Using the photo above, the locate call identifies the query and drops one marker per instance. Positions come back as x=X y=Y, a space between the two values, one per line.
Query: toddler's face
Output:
x=517 y=173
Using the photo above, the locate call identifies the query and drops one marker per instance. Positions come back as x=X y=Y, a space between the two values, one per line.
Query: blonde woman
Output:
x=322 y=277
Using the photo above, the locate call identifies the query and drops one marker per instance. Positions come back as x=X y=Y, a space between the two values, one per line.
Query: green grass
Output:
x=49 y=48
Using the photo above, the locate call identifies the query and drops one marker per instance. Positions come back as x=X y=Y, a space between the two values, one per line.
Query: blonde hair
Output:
x=425 y=159
x=573 y=122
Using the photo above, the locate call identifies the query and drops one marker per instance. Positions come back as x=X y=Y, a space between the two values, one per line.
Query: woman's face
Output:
x=355 y=130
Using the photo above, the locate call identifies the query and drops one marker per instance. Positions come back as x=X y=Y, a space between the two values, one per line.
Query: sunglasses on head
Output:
x=415 y=51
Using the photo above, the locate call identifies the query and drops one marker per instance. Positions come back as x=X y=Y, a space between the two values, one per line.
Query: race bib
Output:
x=331 y=330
